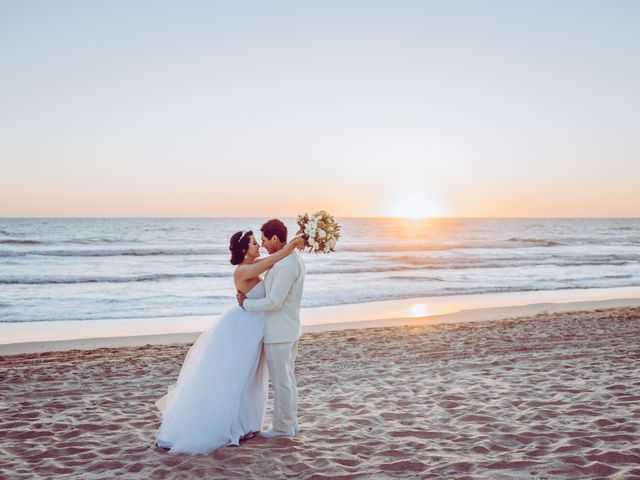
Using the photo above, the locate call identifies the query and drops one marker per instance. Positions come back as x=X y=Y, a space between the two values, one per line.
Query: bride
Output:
x=221 y=392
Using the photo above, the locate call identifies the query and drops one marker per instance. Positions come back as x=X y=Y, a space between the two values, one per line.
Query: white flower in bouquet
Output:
x=321 y=230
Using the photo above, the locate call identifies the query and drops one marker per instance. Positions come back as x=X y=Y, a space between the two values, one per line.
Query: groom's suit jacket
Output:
x=281 y=304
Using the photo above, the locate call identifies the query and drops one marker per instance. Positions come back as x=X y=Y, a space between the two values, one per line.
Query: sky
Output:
x=361 y=108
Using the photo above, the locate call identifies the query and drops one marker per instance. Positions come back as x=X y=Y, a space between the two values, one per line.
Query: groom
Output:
x=283 y=284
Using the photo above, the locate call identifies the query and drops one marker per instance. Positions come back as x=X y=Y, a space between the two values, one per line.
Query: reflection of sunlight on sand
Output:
x=418 y=310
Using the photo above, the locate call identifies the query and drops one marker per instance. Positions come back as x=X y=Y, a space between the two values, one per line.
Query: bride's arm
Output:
x=245 y=272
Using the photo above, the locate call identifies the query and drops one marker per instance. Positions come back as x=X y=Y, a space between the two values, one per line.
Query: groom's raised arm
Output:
x=283 y=277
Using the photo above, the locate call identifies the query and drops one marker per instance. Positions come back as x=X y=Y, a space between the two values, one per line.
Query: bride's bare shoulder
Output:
x=244 y=272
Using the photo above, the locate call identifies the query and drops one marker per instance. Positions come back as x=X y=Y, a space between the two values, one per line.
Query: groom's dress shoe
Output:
x=272 y=433
x=248 y=436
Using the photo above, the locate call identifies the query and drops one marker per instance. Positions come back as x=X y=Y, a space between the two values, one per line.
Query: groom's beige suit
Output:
x=281 y=305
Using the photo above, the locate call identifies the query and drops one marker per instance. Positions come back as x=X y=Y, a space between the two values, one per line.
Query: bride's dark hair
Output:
x=239 y=245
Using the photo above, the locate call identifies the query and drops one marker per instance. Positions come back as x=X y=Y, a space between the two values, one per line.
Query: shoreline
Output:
x=27 y=337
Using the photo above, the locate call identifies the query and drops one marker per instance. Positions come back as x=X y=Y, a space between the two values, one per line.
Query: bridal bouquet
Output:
x=321 y=231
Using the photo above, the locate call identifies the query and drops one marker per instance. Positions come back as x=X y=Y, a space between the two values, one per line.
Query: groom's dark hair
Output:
x=275 y=227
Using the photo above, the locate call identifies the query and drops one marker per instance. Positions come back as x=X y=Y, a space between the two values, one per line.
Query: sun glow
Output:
x=414 y=205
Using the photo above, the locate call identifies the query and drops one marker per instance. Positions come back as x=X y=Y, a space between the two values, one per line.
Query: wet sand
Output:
x=551 y=396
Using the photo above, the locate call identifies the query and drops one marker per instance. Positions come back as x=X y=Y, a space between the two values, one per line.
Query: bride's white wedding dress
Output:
x=221 y=392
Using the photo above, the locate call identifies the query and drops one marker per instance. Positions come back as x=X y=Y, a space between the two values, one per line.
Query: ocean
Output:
x=86 y=269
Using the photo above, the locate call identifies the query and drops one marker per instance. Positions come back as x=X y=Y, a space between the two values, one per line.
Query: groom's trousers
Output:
x=281 y=358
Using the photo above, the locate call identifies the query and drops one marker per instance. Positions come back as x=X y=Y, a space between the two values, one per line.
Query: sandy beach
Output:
x=551 y=396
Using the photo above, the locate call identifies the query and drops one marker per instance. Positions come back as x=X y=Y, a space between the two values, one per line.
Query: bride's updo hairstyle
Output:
x=239 y=245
